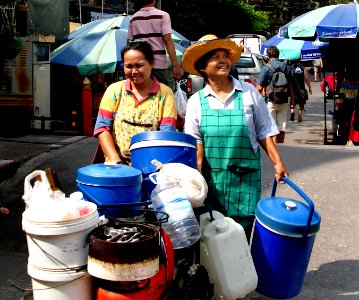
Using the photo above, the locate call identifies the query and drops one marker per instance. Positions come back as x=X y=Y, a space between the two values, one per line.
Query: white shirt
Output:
x=260 y=123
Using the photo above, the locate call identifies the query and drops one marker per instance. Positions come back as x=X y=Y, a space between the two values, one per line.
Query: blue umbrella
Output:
x=121 y=22
x=93 y=53
x=291 y=49
x=334 y=21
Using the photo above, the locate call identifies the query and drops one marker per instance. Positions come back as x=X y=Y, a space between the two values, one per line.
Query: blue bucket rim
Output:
x=164 y=135
x=104 y=175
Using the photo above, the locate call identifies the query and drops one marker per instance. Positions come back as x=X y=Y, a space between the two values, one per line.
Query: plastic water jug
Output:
x=225 y=253
x=182 y=226
x=205 y=219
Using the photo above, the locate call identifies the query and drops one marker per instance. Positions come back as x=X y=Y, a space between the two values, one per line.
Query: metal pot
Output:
x=121 y=260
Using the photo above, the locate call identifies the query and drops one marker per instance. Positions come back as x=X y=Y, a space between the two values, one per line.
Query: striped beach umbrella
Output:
x=94 y=53
x=121 y=22
x=98 y=52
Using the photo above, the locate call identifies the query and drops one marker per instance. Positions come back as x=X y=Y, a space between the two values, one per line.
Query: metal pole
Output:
x=102 y=9
x=325 y=120
x=80 y=12
x=127 y=7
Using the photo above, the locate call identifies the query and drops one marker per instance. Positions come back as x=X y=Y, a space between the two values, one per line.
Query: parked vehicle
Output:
x=192 y=84
x=252 y=42
x=329 y=84
x=249 y=67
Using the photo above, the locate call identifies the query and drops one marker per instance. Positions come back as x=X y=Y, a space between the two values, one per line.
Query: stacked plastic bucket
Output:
x=58 y=253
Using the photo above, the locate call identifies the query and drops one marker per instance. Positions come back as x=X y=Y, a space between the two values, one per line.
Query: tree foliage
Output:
x=196 y=18
x=220 y=17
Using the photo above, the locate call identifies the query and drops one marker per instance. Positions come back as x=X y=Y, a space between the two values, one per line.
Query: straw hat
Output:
x=205 y=44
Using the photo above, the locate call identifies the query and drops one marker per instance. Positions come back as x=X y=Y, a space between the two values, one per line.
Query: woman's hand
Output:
x=280 y=171
x=108 y=146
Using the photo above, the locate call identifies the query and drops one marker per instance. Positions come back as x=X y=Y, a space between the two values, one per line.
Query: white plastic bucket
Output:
x=60 y=285
x=59 y=245
x=224 y=252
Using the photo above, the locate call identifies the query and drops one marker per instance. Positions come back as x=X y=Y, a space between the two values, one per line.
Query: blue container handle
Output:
x=303 y=195
x=101 y=206
x=180 y=154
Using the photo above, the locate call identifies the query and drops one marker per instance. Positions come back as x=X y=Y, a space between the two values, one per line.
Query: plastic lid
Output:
x=222 y=225
x=109 y=175
x=164 y=135
x=287 y=216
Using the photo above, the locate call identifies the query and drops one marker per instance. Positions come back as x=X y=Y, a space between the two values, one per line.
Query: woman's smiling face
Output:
x=136 y=67
x=218 y=64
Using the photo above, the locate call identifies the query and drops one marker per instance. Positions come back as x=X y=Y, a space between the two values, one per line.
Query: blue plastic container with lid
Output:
x=165 y=146
x=114 y=188
x=282 y=243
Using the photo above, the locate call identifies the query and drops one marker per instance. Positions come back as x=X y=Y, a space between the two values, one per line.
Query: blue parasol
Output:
x=291 y=49
x=333 y=21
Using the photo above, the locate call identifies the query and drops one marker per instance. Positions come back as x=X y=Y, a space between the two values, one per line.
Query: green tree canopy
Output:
x=220 y=17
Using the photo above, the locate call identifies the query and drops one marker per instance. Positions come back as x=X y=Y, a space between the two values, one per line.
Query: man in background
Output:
x=278 y=111
x=154 y=26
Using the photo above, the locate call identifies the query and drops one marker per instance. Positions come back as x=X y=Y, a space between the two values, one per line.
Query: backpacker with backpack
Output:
x=278 y=88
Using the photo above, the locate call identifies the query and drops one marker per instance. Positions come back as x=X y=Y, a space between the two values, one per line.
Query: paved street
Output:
x=326 y=173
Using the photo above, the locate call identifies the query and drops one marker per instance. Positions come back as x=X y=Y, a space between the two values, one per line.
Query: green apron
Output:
x=230 y=165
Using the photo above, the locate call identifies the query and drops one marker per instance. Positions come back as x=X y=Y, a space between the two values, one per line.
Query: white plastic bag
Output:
x=189 y=179
x=181 y=101
x=45 y=205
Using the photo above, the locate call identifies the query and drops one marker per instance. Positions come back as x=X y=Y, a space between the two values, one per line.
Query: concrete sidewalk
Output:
x=326 y=173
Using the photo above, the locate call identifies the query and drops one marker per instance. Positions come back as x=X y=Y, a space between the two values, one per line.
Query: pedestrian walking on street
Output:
x=300 y=79
x=139 y=103
x=318 y=66
x=154 y=26
x=229 y=120
x=278 y=108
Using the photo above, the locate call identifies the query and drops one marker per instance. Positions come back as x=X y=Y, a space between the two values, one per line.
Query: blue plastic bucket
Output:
x=282 y=243
x=164 y=146
x=114 y=188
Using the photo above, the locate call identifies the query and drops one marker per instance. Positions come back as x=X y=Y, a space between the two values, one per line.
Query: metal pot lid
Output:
x=286 y=216
x=163 y=135
x=109 y=174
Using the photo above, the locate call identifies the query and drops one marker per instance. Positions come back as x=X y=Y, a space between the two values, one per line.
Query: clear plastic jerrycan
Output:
x=225 y=253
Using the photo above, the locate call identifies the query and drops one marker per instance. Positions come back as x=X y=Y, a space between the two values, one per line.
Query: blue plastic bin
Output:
x=164 y=146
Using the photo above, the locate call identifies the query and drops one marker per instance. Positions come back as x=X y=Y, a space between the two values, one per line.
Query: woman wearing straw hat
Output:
x=230 y=120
